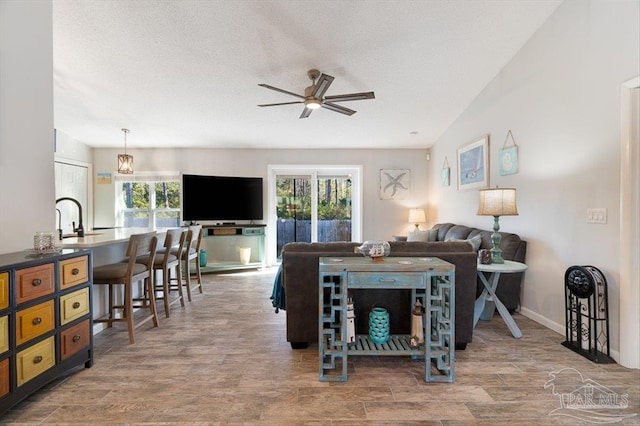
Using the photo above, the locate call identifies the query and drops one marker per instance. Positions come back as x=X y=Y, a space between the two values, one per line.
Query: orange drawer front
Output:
x=74 y=271
x=74 y=305
x=34 y=282
x=35 y=360
x=4 y=377
x=75 y=338
x=4 y=290
x=34 y=321
x=4 y=334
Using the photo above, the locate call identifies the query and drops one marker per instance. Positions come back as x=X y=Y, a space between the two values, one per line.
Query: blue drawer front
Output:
x=252 y=231
x=386 y=280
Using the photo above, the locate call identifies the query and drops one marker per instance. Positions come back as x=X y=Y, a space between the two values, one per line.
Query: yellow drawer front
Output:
x=74 y=305
x=34 y=282
x=34 y=321
x=74 y=338
x=4 y=334
x=4 y=290
x=35 y=360
x=4 y=377
x=74 y=271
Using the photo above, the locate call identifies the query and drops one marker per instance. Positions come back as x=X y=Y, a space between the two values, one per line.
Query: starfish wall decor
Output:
x=394 y=184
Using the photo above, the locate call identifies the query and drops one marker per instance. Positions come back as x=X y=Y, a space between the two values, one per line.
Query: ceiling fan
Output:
x=314 y=95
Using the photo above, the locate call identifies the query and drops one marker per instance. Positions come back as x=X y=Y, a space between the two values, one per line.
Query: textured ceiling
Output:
x=185 y=73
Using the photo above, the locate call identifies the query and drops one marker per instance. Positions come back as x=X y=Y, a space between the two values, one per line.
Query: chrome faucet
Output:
x=80 y=229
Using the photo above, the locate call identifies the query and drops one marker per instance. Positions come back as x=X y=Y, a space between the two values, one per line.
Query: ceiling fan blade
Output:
x=338 y=108
x=350 y=97
x=321 y=86
x=281 y=103
x=306 y=112
x=281 y=90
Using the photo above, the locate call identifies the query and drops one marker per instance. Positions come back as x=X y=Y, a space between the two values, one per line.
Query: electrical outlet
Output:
x=597 y=215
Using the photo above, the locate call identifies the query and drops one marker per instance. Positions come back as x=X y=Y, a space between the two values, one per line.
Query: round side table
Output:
x=489 y=293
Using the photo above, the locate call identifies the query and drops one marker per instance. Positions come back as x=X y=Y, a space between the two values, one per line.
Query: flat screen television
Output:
x=223 y=198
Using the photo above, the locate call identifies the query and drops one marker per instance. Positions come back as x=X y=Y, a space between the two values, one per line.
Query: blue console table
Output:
x=431 y=280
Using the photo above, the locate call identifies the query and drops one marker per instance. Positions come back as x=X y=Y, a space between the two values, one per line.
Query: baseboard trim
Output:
x=558 y=328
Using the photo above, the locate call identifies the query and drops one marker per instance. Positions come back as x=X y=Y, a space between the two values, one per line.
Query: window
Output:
x=313 y=203
x=148 y=201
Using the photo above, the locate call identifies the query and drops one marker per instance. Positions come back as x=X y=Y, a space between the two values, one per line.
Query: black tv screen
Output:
x=224 y=198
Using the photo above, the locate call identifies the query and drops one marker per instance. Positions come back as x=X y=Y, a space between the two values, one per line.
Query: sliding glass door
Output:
x=313 y=204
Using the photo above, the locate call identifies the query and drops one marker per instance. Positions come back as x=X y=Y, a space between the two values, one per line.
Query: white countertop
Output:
x=103 y=237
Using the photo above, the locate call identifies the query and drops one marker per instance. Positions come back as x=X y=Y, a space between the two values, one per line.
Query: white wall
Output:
x=26 y=123
x=560 y=97
x=382 y=218
x=68 y=148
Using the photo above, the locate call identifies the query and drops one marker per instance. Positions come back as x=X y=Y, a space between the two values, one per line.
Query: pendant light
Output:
x=125 y=161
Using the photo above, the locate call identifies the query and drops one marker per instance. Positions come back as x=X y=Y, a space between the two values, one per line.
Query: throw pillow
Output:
x=433 y=235
x=475 y=242
x=421 y=236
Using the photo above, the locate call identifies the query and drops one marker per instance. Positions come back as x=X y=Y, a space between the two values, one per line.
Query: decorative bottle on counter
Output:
x=417 y=327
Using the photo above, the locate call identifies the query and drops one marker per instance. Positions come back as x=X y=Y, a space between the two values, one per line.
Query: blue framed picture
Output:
x=473 y=164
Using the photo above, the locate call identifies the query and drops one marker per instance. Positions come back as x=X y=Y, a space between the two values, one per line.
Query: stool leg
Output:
x=128 y=311
x=198 y=275
x=179 y=281
x=111 y=313
x=165 y=290
x=150 y=283
x=187 y=274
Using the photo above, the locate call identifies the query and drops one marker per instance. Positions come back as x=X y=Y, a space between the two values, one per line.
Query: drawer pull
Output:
x=75 y=271
x=76 y=305
x=387 y=280
x=76 y=338
x=37 y=321
x=36 y=282
x=37 y=359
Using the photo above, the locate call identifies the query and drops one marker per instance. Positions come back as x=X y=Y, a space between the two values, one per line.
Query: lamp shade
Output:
x=498 y=202
x=417 y=216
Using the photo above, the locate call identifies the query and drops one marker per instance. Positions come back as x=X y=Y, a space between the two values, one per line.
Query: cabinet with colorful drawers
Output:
x=45 y=320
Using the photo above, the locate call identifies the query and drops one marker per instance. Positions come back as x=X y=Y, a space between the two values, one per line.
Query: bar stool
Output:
x=166 y=260
x=191 y=252
x=126 y=274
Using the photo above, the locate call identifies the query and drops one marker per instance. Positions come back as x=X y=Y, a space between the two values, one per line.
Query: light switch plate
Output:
x=597 y=215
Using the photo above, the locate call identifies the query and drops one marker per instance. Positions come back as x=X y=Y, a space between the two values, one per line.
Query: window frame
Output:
x=150 y=179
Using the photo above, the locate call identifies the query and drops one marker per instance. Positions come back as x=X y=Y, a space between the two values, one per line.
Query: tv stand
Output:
x=233 y=247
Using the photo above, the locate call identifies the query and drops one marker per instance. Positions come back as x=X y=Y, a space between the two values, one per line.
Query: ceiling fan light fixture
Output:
x=312 y=103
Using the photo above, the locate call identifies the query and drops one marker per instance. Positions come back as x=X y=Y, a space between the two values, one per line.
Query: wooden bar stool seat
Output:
x=127 y=274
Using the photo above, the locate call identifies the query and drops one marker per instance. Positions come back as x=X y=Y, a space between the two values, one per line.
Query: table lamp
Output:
x=497 y=202
x=417 y=216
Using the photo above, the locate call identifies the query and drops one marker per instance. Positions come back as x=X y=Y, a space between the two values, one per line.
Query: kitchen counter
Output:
x=109 y=245
x=105 y=237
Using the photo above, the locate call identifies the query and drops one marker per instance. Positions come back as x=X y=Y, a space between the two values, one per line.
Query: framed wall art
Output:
x=473 y=164
x=508 y=157
x=445 y=173
x=394 y=184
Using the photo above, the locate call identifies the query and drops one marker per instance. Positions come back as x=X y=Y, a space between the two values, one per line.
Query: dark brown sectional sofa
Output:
x=300 y=280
